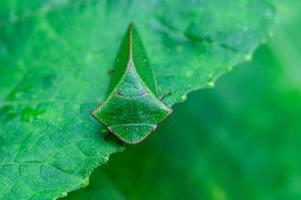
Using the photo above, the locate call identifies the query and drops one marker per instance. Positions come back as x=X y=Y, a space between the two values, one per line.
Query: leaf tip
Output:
x=131 y=25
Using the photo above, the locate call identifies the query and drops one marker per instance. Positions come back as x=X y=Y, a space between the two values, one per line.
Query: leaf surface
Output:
x=238 y=141
x=54 y=63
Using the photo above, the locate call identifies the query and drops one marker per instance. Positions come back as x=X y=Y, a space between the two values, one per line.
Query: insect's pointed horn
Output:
x=131 y=26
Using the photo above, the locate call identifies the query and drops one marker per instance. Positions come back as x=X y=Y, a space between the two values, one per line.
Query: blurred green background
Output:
x=240 y=140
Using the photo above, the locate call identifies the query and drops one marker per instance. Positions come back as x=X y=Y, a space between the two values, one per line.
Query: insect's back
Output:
x=132 y=48
x=132 y=110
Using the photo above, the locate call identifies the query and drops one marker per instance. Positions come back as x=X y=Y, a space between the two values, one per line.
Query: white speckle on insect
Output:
x=145 y=60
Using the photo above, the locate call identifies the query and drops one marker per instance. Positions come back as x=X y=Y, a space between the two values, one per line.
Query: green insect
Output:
x=132 y=109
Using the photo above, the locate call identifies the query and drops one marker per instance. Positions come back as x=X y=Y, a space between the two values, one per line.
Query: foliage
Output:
x=54 y=59
x=240 y=140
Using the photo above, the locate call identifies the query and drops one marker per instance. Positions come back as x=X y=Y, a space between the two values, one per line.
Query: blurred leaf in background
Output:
x=240 y=140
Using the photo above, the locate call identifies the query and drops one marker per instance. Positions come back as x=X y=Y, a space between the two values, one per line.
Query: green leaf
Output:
x=238 y=141
x=54 y=59
x=100 y=187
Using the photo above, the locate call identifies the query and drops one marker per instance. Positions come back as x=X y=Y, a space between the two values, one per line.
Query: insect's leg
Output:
x=165 y=94
x=110 y=72
x=108 y=135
